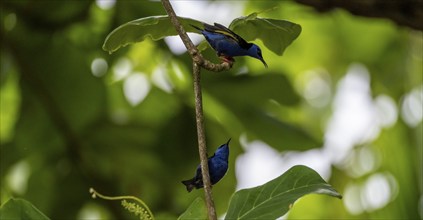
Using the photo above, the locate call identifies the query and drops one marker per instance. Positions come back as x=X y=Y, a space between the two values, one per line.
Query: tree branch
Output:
x=198 y=62
x=202 y=141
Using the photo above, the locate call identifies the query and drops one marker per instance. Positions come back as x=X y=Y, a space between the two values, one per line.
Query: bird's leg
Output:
x=226 y=59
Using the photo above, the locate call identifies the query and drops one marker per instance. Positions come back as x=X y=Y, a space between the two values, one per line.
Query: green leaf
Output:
x=274 y=199
x=155 y=27
x=20 y=209
x=256 y=89
x=276 y=35
x=197 y=210
x=278 y=134
x=247 y=97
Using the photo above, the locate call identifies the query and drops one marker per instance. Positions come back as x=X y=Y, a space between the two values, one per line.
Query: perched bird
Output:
x=227 y=44
x=218 y=165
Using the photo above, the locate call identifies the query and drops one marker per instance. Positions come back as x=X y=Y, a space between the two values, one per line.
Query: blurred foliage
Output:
x=68 y=123
x=20 y=209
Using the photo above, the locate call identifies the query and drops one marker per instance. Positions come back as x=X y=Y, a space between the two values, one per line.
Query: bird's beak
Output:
x=227 y=143
x=264 y=62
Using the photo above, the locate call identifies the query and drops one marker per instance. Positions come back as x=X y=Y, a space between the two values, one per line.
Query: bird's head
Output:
x=255 y=52
x=223 y=149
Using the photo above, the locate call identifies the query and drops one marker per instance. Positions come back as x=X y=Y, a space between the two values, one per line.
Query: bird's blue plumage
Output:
x=228 y=44
x=218 y=165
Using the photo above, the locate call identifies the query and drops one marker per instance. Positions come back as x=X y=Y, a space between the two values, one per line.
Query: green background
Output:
x=64 y=128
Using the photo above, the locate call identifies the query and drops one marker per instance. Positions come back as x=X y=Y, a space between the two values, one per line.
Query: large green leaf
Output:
x=276 y=35
x=274 y=199
x=197 y=210
x=155 y=27
x=20 y=209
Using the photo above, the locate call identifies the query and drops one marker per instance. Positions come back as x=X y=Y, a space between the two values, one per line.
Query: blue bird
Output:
x=218 y=165
x=227 y=44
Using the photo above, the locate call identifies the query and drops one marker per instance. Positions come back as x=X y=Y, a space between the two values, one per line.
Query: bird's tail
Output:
x=189 y=184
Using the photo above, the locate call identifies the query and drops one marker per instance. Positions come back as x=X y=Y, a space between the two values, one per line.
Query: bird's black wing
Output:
x=218 y=28
x=243 y=43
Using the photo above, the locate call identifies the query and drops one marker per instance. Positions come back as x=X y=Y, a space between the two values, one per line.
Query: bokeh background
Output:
x=345 y=99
